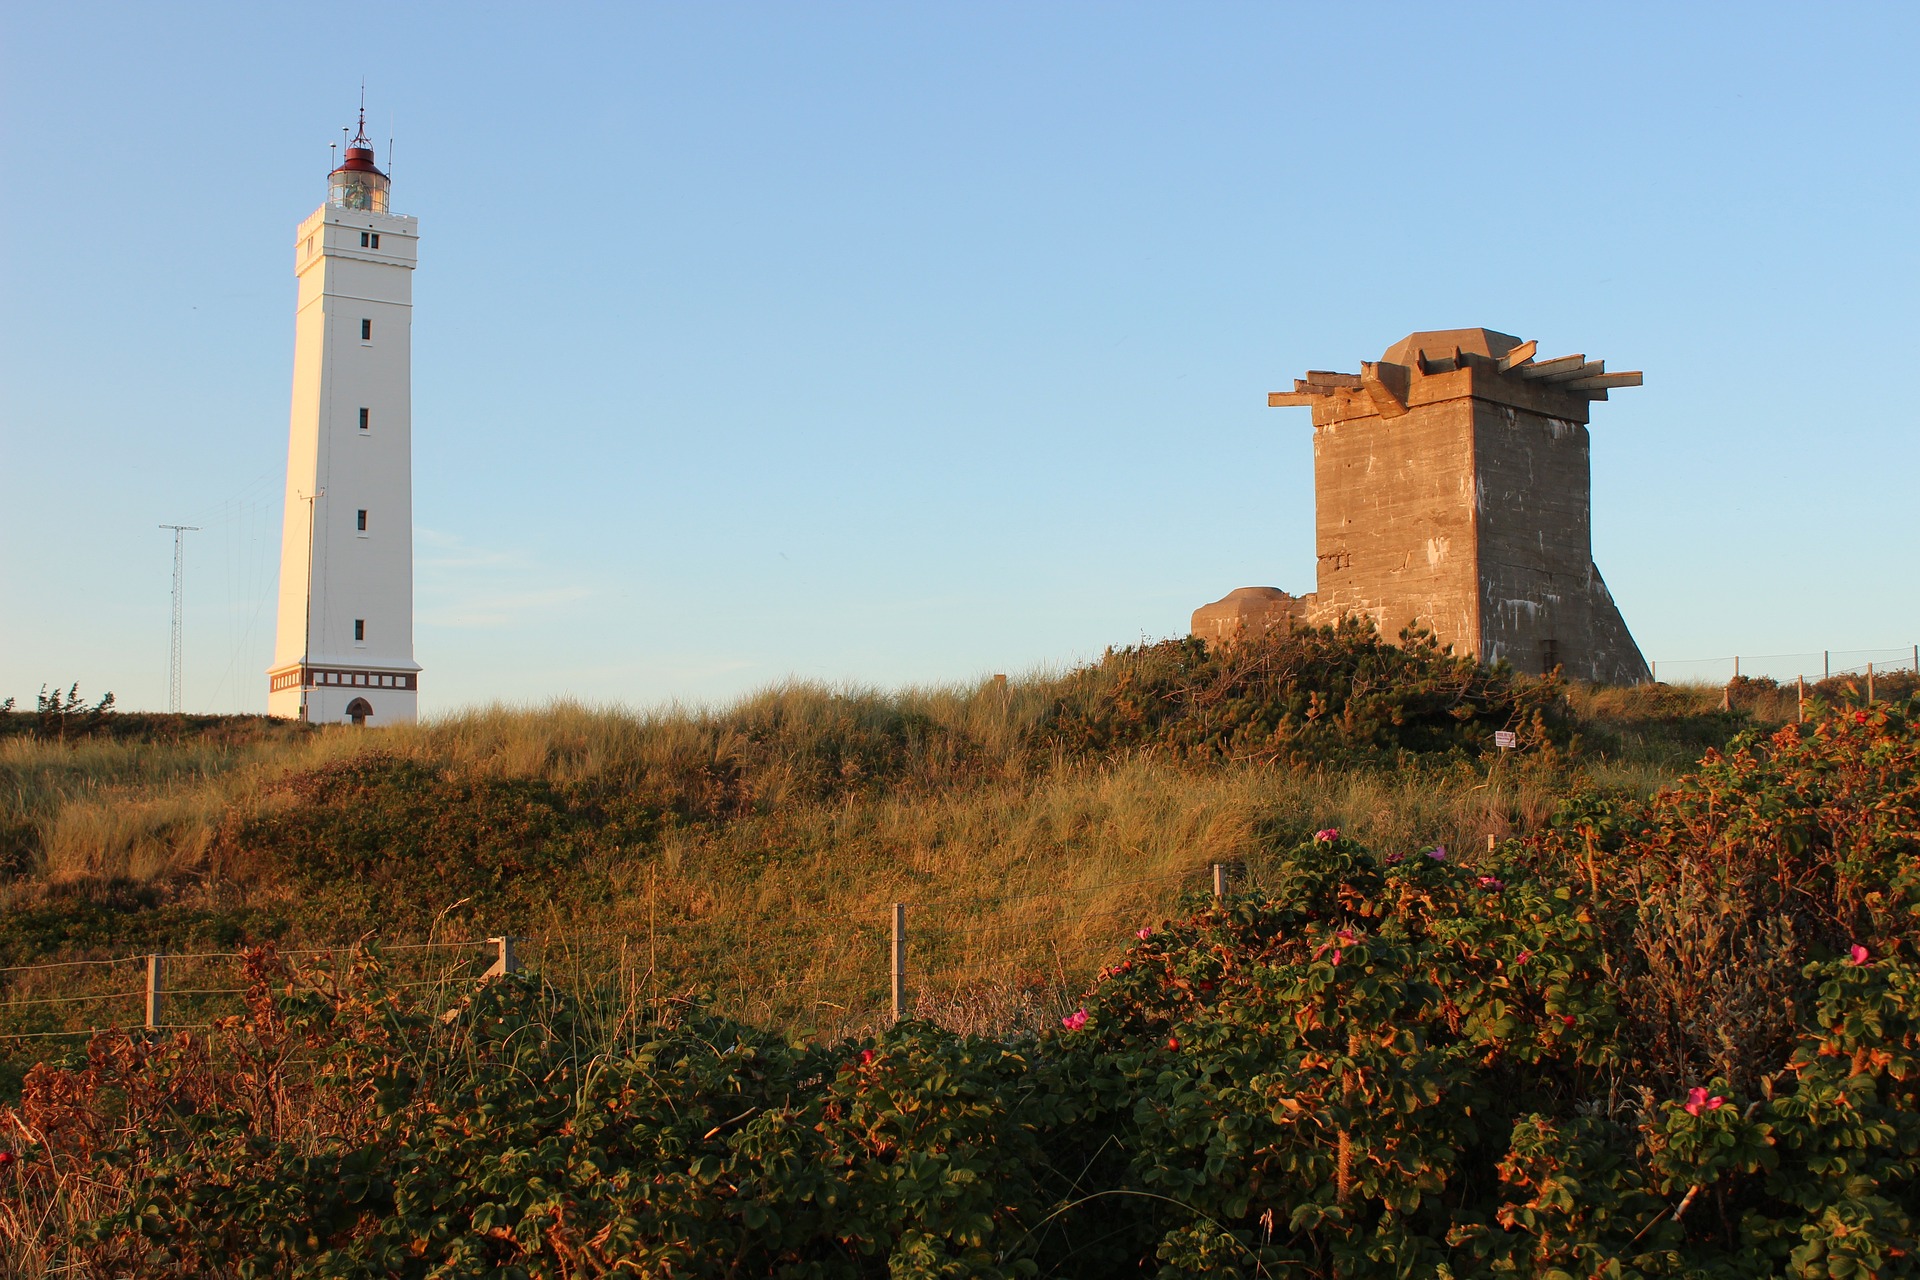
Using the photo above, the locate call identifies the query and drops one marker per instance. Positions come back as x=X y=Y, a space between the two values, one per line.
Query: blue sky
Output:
x=909 y=343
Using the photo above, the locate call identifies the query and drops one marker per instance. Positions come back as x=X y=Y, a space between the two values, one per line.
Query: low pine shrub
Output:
x=1338 y=695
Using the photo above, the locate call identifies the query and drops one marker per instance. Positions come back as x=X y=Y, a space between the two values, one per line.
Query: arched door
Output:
x=358 y=710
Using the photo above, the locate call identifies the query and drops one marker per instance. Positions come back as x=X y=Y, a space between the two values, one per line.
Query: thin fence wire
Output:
x=862 y=945
x=69 y=964
x=1788 y=667
x=918 y=906
x=77 y=1031
x=111 y=995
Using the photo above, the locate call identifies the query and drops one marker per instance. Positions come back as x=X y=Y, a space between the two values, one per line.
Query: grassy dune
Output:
x=751 y=851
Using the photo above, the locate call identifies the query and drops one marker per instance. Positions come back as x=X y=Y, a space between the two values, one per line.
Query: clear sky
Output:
x=909 y=343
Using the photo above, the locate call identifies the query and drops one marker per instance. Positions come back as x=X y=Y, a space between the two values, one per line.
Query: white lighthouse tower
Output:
x=344 y=650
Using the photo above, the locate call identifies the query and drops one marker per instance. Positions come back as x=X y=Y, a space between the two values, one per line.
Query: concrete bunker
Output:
x=1452 y=491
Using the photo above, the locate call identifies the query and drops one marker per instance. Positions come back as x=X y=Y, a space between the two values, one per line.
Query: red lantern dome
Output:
x=358 y=182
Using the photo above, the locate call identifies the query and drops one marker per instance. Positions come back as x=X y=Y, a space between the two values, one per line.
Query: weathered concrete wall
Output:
x=1393 y=521
x=1535 y=546
x=1542 y=603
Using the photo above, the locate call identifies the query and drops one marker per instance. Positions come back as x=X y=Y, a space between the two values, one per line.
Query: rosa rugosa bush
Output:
x=1328 y=1076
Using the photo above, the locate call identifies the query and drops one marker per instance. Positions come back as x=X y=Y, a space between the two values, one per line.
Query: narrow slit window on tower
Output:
x=363 y=419
x=364 y=238
x=366 y=331
x=363 y=519
x=359 y=629
x=376 y=239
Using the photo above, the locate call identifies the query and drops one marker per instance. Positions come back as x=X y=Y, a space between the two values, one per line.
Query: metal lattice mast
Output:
x=180 y=532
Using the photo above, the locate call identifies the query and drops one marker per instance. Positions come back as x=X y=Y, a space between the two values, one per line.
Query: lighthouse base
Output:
x=367 y=698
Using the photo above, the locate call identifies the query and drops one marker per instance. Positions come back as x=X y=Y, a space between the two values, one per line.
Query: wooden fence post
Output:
x=1800 y=683
x=1219 y=881
x=504 y=961
x=899 y=960
x=1869 y=684
x=1826 y=664
x=156 y=989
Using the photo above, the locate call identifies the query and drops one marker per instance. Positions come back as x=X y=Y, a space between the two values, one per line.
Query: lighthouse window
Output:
x=359 y=629
x=366 y=331
x=363 y=519
x=369 y=239
x=363 y=419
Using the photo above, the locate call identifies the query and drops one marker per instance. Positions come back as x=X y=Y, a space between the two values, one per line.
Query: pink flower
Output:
x=1858 y=954
x=1326 y=836
x=1522 y=958
x=1143 y=934
x=1491 y=882
x=1396 y=857
x=1075 y=1020
x=1438 y=853
x=1698 y=1101
x=1341 y=938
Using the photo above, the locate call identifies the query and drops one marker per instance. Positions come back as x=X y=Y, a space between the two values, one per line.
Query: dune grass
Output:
x=751 y=851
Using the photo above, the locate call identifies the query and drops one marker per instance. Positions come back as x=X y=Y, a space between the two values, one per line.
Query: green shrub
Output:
x=1788 y=848
x=343 y=1132
x=1326 y=695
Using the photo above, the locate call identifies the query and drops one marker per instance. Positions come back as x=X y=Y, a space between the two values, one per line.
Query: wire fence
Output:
x=1786 y=668
x=832 y=974
x=156 y=991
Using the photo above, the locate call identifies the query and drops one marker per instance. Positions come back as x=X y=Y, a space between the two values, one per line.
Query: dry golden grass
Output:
x=1016 y=891
x=1023 y=871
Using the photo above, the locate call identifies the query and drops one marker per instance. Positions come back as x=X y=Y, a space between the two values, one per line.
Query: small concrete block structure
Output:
x=1245 y=611
x=1452 y=492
